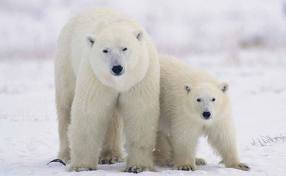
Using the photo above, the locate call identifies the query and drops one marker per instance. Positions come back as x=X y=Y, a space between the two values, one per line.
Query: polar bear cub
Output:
x=193 y=104
x=106 y=66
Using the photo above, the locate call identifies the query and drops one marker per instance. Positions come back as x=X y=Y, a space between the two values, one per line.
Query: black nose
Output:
x=117 y=70
x=206 y=114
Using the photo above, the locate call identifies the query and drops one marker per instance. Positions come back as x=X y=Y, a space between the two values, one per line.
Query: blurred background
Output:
x=29 y=29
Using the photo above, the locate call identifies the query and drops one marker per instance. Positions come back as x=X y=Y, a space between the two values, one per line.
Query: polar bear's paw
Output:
x=200 y=162
x=242 y=166
x=136 y=169
x=186 y=167
x=79 y=168
x=110 y=158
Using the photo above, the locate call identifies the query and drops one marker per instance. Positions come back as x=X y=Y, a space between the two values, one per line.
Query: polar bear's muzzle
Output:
x=117 y=70
x=206 y=115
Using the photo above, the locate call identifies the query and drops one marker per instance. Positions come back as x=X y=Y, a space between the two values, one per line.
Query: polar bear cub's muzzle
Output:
x=207 y=115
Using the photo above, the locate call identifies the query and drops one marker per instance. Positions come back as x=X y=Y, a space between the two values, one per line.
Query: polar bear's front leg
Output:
x=222 y=138
x=111 y=149
x=184 y=141
x=92 y=110
x=140 y=111
x=87 y=131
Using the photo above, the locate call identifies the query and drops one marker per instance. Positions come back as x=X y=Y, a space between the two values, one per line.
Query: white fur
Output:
x=89 y=96
x=181 y=120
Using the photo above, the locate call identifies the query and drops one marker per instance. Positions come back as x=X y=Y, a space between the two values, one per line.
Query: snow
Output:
x=28 y=125
x=242 y=42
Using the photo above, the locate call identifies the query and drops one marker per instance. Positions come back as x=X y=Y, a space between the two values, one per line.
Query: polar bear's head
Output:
x=207 y=100
x=118 y=56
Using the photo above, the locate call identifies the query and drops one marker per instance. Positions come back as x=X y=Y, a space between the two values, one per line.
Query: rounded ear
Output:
x=224 y=87
x=139 y=35
x=90 y=40
x=188 y=89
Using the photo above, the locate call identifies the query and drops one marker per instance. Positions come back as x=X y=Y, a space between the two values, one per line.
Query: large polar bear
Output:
x=193 y=104
x=106 y=65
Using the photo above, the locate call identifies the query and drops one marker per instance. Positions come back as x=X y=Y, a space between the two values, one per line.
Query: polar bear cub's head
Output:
x=207 y=100
x=118 y=56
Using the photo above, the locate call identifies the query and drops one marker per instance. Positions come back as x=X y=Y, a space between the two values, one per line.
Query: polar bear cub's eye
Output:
x=213 y=99
x=124 y=49
x=199 y=100
x=105 y=51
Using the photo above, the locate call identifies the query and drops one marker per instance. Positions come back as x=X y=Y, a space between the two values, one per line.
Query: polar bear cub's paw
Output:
x=200 y=162
x=242 y=166
x=186 y=167
x=110 y=157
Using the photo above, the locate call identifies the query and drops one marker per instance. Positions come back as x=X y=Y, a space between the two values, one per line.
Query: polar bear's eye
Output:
x=124 y=49
x=213 y=99
x=105 y=51
x=199 y=100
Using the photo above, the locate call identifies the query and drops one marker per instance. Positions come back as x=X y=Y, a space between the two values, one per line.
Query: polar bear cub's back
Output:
x=174 y=70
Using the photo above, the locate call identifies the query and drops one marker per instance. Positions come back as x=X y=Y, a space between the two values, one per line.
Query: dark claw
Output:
x=186 y=168
x=57 y=160
x=134 y=169
x=244 y=167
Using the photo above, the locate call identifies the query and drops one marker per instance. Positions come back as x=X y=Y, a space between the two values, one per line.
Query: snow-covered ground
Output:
x=209 y=34
x=28 y=125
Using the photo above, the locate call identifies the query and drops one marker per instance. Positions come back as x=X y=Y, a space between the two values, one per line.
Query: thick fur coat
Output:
x=106 y=68
x=193 y=104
